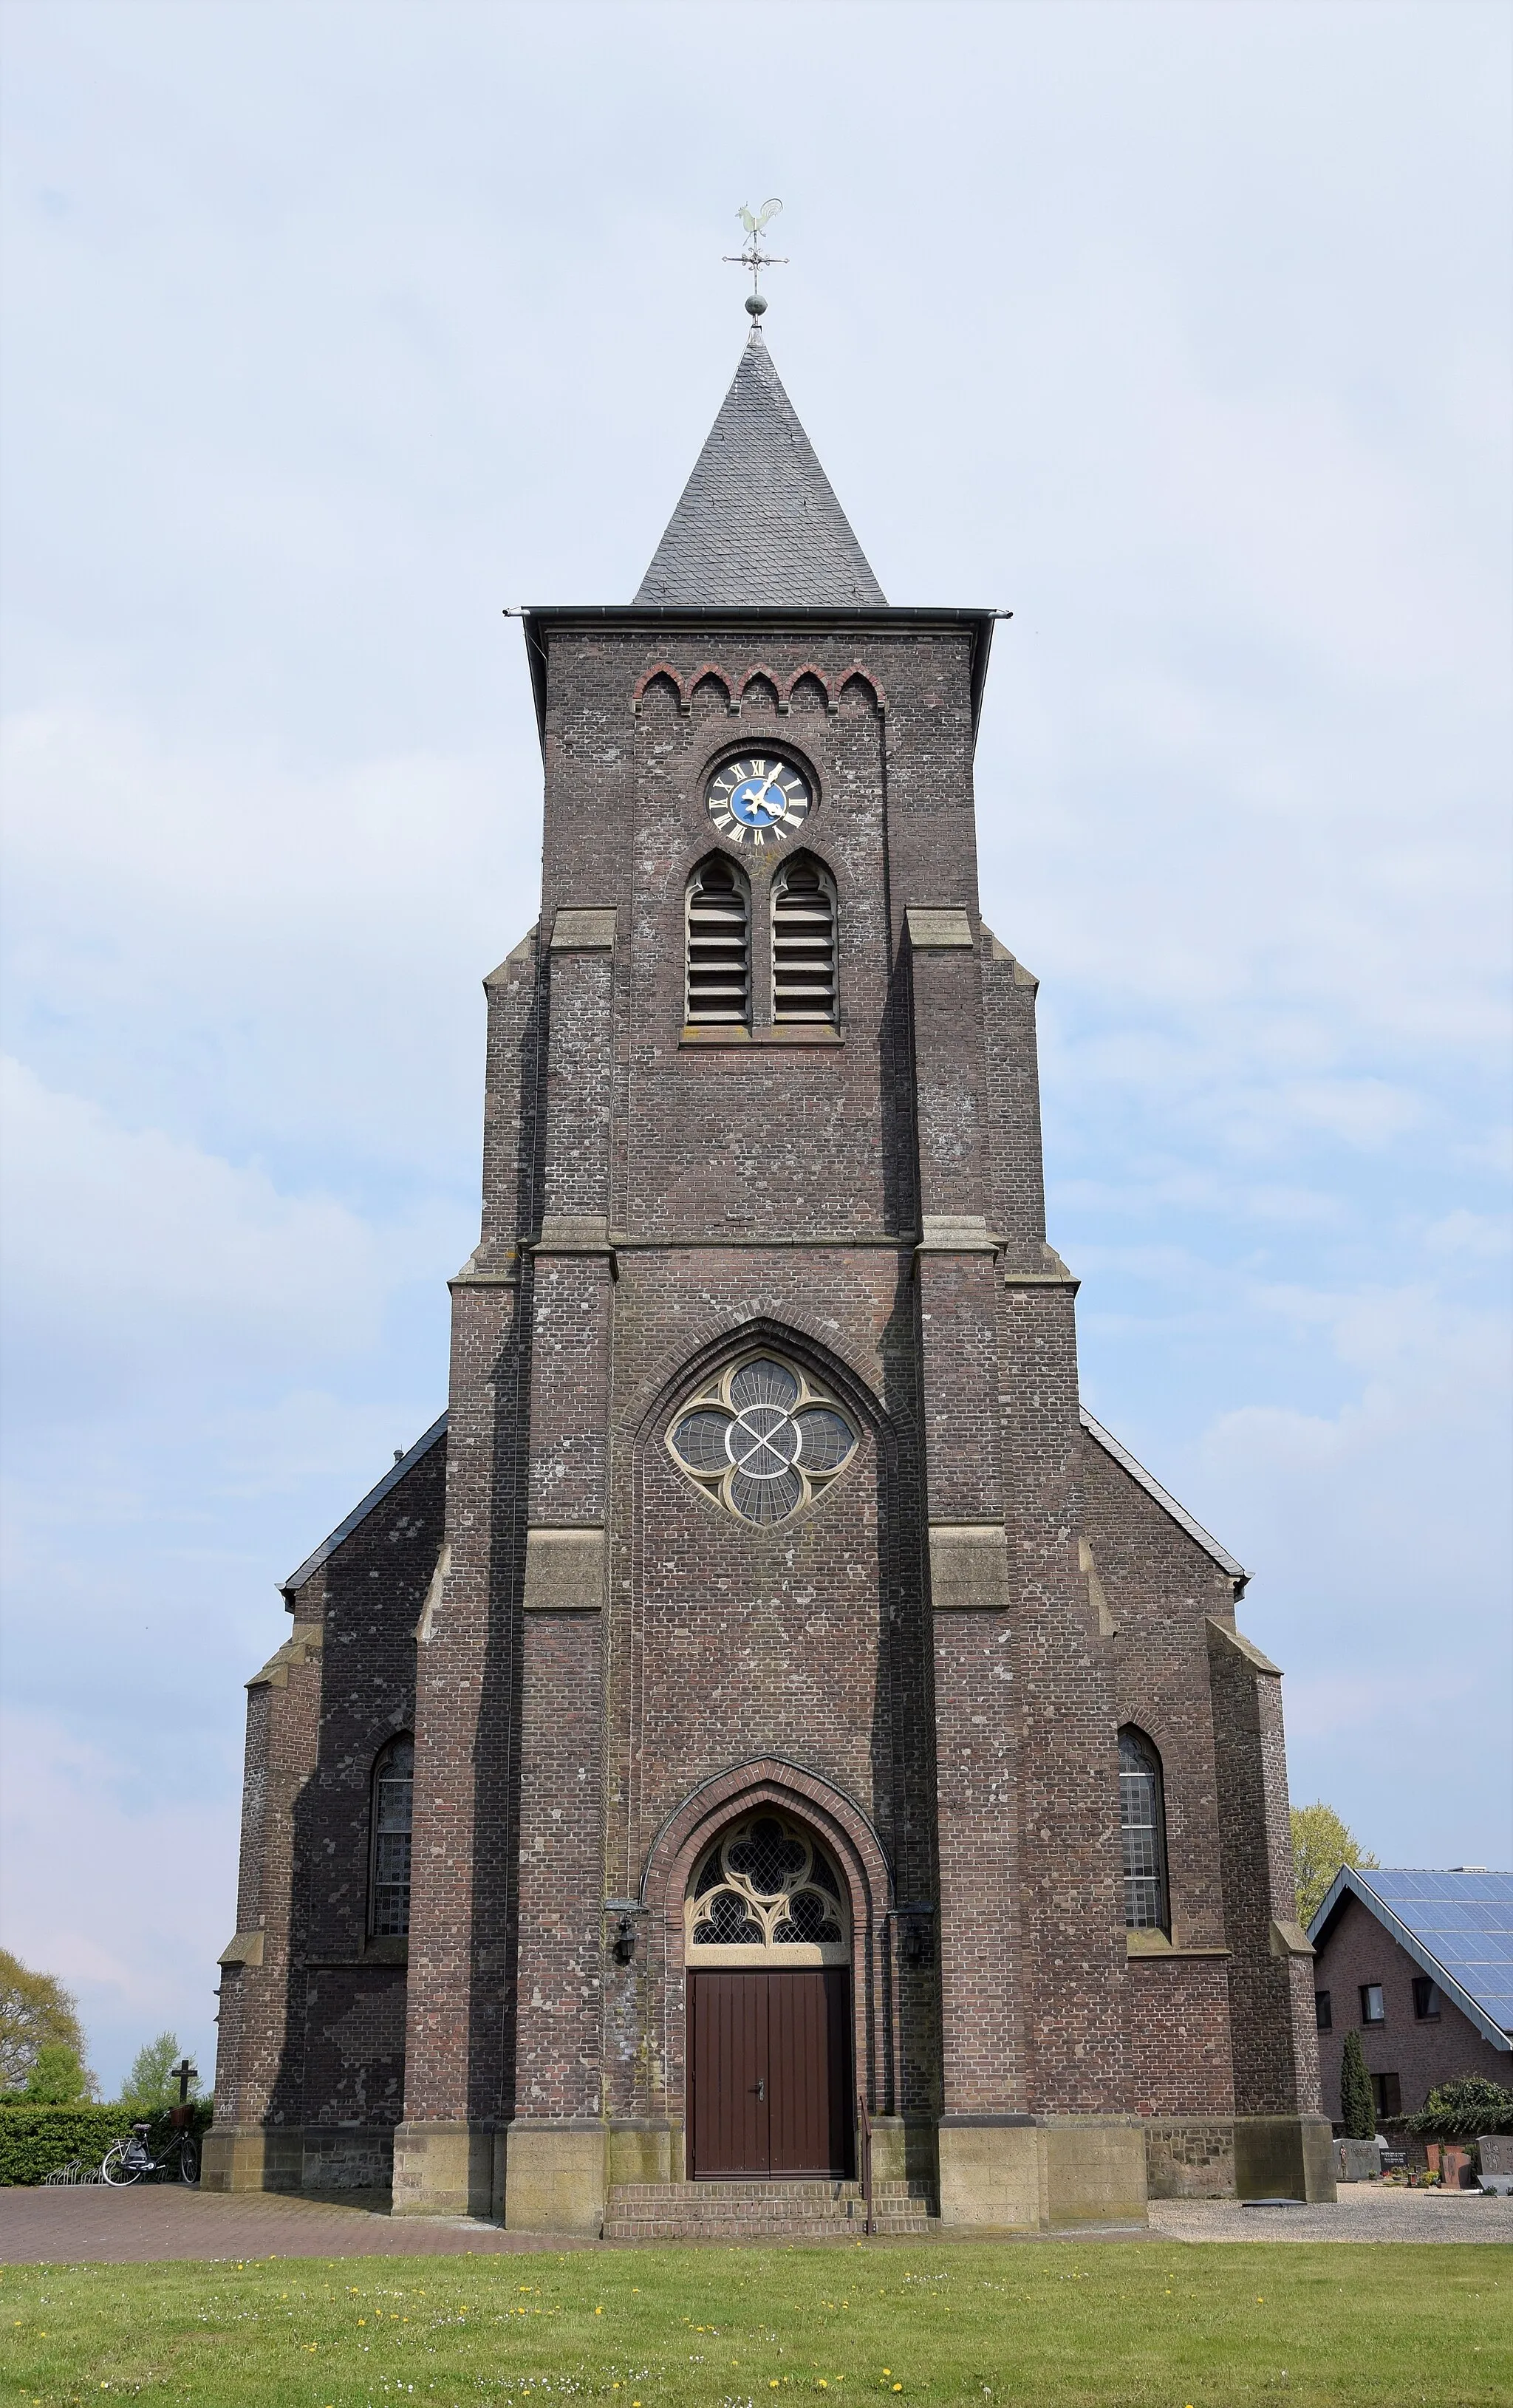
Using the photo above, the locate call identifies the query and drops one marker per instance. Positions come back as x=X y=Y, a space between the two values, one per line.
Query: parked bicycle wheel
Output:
x=122 y=2166
x=189 y=2160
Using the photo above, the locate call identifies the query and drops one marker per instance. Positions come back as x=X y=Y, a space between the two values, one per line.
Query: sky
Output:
x=333 y=330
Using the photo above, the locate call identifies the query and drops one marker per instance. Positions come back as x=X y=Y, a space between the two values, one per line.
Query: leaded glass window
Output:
x=394 y=1790
x=765 y=1439
x=767 y=1888
x=1142 y=1830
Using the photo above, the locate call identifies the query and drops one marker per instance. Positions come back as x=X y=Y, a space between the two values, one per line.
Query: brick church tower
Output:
x=766 y=1720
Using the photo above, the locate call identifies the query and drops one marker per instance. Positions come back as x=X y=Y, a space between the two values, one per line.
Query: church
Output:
x=766 y=1760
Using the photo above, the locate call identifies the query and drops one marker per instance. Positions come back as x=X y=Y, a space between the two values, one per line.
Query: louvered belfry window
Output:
x=394 y=1790
x=718 y=946
x=803 y=944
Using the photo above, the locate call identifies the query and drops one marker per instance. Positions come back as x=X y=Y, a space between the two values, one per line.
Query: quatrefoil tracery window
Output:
x=763 y=1437
x=766 y=1888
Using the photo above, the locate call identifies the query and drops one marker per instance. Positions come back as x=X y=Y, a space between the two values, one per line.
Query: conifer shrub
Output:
x=1357 y=2104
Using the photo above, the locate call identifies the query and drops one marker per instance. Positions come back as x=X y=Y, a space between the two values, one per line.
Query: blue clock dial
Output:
x=758 y=800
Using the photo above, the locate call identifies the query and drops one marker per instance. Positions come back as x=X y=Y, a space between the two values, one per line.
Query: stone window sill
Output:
x=794 y=1032
x=1155 y=1943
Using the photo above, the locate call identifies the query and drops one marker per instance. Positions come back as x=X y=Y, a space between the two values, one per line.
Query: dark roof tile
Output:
x=758 y=524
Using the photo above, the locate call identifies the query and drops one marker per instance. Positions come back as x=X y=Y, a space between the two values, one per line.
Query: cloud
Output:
x=287 y=955
x=132 y=1258
x=121 y=1894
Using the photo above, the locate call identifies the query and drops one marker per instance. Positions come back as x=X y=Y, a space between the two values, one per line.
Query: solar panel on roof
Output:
x=1462 y=1922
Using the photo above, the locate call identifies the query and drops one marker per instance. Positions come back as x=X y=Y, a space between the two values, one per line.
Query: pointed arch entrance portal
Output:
x=768 y=1948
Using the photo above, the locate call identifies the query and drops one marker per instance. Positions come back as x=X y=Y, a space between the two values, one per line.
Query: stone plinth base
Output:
x=555 y=2172
x=903 y=2150
x=444 y=2170
x=641 y=2150
x=1284 y=2156
x=1190 y=2157
x=349 y=2157
x=1022 y=2174
x=251 y=2156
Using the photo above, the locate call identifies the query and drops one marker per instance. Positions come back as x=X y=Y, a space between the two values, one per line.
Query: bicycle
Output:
x=131 y=2160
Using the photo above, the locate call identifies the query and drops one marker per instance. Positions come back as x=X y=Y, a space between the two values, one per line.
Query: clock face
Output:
x=758 y=799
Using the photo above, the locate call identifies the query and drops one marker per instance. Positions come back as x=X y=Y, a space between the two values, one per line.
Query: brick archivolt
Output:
x=736 y=685
x=742 y=1790
x=650 y=1405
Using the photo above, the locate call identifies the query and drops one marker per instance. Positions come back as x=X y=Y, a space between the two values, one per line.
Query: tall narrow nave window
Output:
x=718 y=985
x=393 y=1789
x=1142 y=1827
x=803 y=943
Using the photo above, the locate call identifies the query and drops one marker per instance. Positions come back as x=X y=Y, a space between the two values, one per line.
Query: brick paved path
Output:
x=95 y=2226
x=92 y=2225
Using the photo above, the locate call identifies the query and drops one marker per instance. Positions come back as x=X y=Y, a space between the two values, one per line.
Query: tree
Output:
x=57 y=2079
x=1321 y=1844
x=1357 y=2102
x=151 y=2084
x=35 y=2012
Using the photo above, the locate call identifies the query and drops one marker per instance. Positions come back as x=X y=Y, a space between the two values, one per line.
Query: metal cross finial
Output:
x=754 y=256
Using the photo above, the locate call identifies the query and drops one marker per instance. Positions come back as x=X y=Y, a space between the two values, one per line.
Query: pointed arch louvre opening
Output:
x=804 y=943
x=719 y=973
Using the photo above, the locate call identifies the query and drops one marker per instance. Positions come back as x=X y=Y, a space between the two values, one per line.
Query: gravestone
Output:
x=1357 y=2161
x=1496 y=2153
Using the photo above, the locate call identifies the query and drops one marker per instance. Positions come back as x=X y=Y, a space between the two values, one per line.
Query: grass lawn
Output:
x=1201 y=2326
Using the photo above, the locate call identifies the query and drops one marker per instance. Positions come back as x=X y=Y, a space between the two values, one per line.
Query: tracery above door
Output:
x=767 y=1893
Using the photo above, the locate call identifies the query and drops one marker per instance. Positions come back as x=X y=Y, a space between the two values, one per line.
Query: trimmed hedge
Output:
x=35 y=2141
x=1464 y=2109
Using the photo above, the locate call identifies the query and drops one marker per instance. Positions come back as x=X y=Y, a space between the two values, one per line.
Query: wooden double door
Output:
x=770 y=2074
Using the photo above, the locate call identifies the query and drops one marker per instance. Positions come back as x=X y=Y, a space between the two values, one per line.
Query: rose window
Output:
x=765 y=1888
x=764 y=1440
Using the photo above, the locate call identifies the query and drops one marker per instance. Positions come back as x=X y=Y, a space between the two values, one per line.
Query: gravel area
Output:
x=1363 y=2212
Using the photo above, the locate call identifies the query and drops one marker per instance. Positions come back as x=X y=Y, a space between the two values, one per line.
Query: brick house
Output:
x=766 y=1694
x=1420 y=1964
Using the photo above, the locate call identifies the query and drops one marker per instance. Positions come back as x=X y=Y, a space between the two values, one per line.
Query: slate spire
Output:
x=758 y=524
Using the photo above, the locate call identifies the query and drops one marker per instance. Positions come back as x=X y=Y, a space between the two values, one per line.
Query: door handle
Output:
x=762 y=2090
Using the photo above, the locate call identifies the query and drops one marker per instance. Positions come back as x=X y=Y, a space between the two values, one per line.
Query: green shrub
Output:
x=57 y=2079
x=152 y=2083
x=1462 y=2109
x=1356 y=2104
x=35 y=2141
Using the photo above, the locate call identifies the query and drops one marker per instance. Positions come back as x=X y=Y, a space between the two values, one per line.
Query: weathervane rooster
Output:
x=754 y=256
